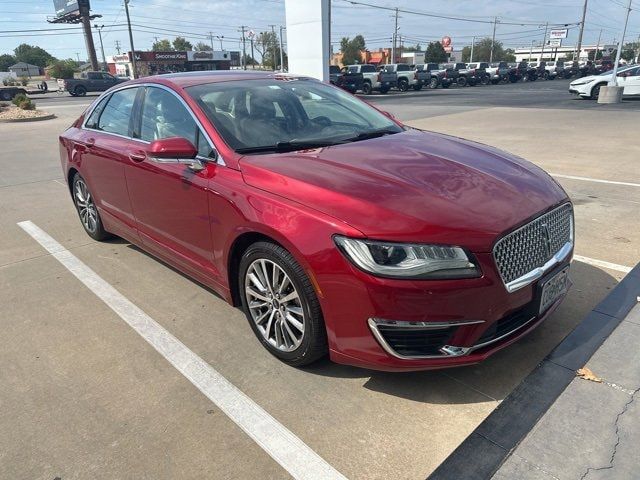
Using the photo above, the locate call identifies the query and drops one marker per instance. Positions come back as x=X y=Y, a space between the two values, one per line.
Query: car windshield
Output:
x=287 y=114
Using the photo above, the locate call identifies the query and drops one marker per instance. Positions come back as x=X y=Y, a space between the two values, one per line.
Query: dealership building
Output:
x=154 y=63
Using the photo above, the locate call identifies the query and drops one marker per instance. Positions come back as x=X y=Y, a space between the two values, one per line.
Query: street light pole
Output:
x=395 y=35
x=211 y=39
x=614 y=78
x=281 y=50
x=473 y=44
x=133 y=50
x=493 y=38
x=104 y=59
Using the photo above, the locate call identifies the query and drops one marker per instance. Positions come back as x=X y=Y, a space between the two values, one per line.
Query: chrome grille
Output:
x=534 y=244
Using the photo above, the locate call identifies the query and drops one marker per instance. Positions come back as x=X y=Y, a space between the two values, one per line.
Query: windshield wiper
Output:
x=288 y=146
x=381 y=132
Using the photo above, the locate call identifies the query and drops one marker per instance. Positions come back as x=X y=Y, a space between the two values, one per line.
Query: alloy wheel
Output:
x=86 y=207
x=274 y=305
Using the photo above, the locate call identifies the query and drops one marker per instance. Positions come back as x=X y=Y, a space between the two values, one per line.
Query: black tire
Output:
x=80 y=91
x=495 y=82
x=462 y=81
x=6 y=96
x=484 y=80
x=546 y=75
x=366 y=88
x=403 y=85
x=313 y=344
x=384 y=90
x=595 y=91
x=417 y=87
x=433 y=83
x=446 y=84
x=95 y=230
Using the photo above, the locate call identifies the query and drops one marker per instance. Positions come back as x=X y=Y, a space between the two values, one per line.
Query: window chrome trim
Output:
x=218 y=158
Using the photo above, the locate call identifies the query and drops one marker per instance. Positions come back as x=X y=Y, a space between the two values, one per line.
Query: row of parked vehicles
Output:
x=367 y=78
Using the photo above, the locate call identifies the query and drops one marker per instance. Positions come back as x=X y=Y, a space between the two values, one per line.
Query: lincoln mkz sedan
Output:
x=338 y=230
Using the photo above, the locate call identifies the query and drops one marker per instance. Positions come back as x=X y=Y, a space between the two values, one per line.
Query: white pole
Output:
x=473 y=43
x=614 y=78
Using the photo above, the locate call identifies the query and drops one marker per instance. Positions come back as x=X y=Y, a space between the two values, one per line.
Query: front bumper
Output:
x=579 y=90
x=479 y=317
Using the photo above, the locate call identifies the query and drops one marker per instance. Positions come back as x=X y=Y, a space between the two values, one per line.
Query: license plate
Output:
x=553 y=289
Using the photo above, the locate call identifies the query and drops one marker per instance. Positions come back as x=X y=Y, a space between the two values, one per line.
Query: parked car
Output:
x=555 y=69
x=405 y=76
x=336 y=229
x=373 y=80
x=502 y=72
x=447 y=74
x=589 y=87
x=89 y=82
x=349 y=81
x=525 y=72
x=422 y=76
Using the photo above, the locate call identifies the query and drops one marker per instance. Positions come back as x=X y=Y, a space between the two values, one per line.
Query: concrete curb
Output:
x=28 y=120
x=484 y=451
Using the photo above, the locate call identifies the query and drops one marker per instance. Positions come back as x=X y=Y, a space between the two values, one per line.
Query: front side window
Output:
x=164 y=116
x=275 y=113
x=116 y=115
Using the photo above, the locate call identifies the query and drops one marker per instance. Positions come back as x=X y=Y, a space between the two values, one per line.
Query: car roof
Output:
x=189 y=79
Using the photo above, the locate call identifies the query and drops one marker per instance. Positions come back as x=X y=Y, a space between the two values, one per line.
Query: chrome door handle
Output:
x=137 y=156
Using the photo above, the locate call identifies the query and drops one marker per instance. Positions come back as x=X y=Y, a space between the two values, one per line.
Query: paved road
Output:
x=84 y=396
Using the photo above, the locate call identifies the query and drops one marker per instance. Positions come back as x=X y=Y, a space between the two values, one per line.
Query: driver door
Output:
x=169 y=201
x=630 y=80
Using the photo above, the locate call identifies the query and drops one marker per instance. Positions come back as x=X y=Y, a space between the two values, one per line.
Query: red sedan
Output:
x=334 y=227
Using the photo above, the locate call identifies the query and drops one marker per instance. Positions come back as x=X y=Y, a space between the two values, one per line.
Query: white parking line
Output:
x=596 y=180
x=603 y=264
x=282 y=445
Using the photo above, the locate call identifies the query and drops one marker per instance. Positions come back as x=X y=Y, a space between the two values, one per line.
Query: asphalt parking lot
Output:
x=84 y=396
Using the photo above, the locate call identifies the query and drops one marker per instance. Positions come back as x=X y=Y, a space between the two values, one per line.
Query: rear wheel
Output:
x=87 y=211
x=462 y=81
x=403 y=85
x=417 y=87
x=384 y=90
x=433 y=83
x=366 y=88
x=281 y=305
x=80 y=91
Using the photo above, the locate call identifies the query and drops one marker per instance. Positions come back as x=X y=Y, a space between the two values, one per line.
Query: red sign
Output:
x=446 y=41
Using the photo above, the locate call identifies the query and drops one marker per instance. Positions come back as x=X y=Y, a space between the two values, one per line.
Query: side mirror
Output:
x=174 y=147
x=175 y=150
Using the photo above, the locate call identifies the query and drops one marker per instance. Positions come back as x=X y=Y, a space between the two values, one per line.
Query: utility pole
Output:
x=544 y=40
x=395 y=36
x=614 y=77
x=493 y=38
x=104 y=59
x=78 y=57
x=220 y=37
x=595 y=55
x=281 y=50
x=273 y=50
x=244 y=47
x=88 y=36
x=118 y=46
x=253 y=65
x=584 y=15
x=473 y=44
x=211 y=38
x=133 y=50
x=638 y=51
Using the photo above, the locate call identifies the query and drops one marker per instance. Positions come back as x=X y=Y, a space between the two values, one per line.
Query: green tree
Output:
x=352 y=49
x=33 y=55
x=482 y=52
x=629 y=51
x=410 y=48
x=507 y=55
x=268 y=46
x=63 y=68
x=202 y=47
x=163 y=45
x=181 y=44
x=435 y=53
x=6 y=61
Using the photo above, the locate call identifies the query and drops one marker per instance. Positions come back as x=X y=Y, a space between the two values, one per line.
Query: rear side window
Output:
x=116 y=115
x=368 y=68
x=404 y=68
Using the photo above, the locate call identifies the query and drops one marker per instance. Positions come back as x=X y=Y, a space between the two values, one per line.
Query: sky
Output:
x=520 y=22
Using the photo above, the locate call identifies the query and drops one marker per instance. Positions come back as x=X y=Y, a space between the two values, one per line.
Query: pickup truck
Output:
x=88 y=82
x=408 y=76
x=477 y=73
x=449 y=74
x=502 y=71
x=554 y=69
x=341 y=77
x=373 y=80
x=432 y=70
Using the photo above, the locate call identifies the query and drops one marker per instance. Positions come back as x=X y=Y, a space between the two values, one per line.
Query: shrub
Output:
x=19 y=98
x=8 y=82
x=27 y=104
x=24 y=81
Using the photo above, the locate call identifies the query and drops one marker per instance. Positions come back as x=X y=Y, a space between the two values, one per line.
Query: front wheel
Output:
x=281 y=305
x=80 y=91
x=87 y=210
x=595 y=91
x=384 y=90
x=366 y=88
x=433 y=83
x=462 y=81
x=403 y=85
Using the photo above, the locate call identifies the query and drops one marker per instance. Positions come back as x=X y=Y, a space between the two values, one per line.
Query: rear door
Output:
x=104 y=143
x=630 y=80
x=169 y=200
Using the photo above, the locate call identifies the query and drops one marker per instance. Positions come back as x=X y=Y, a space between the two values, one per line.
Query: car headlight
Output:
x=577 y=84
x=402 y=260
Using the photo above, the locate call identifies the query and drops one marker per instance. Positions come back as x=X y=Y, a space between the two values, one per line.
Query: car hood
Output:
x=411 y=186
x=591 y=78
